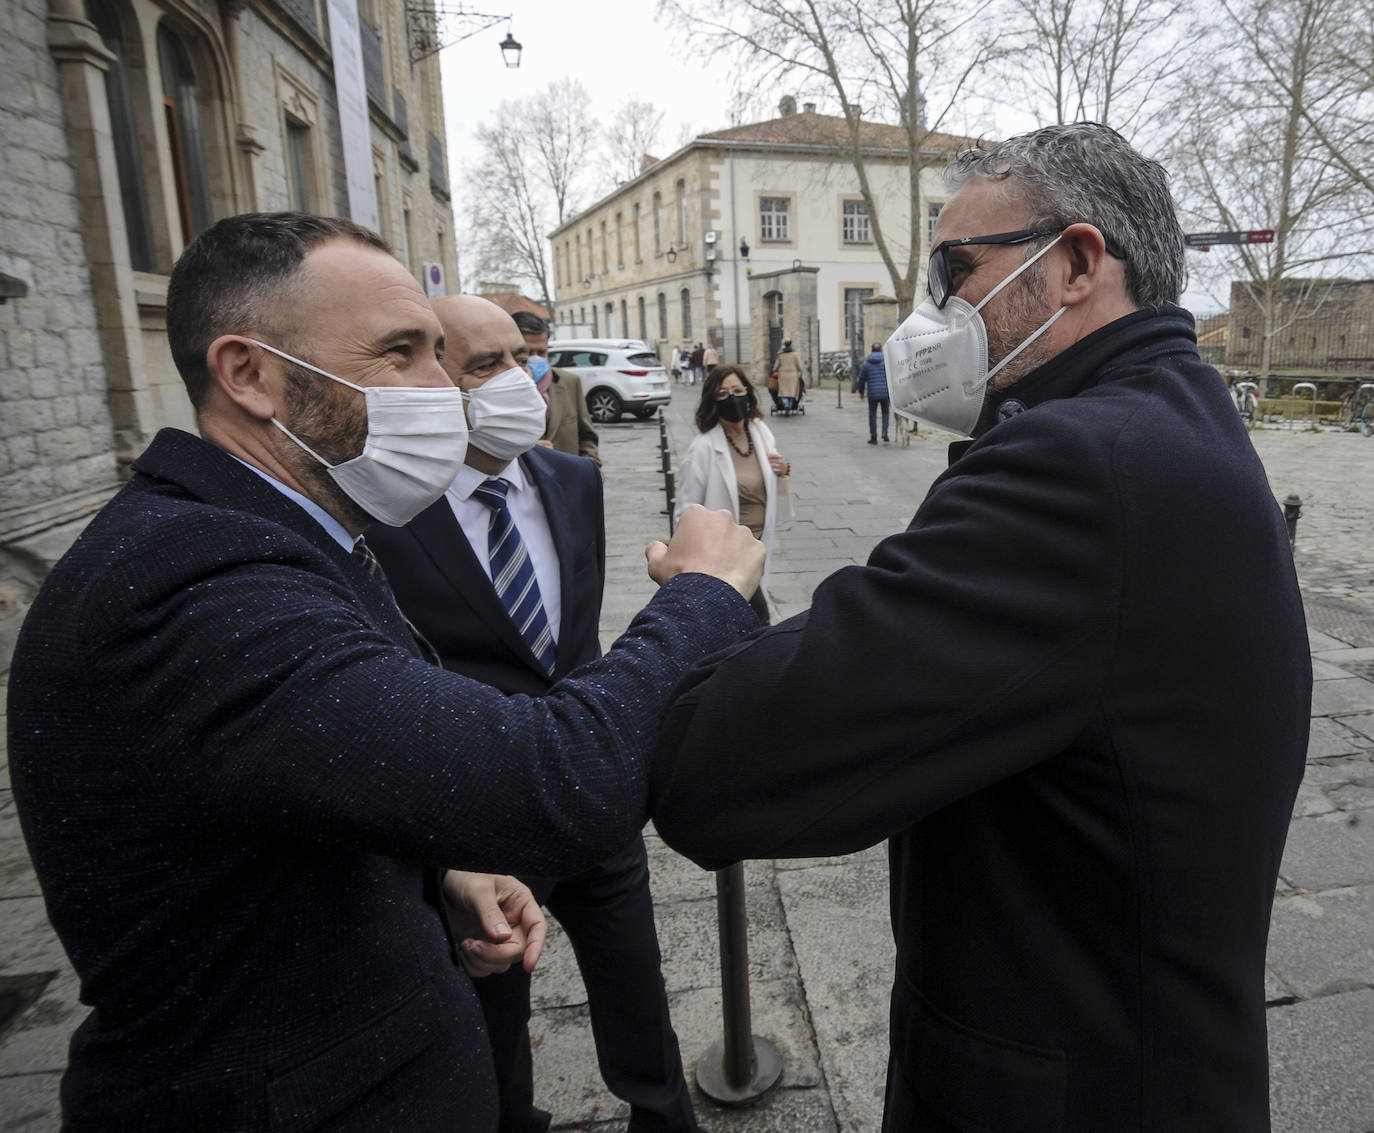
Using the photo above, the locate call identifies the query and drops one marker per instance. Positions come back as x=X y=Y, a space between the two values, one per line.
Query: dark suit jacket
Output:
x=1083 y=719
x=570 y=425
x=439 y=581
x=237 y=780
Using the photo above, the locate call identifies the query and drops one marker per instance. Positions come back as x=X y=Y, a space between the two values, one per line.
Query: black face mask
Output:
x=733 y=408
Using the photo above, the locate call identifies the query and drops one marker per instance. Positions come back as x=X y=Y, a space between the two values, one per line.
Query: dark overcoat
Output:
x=1081 y=720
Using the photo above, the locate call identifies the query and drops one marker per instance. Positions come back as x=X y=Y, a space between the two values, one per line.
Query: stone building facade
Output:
x=1318 y=327
x=669 y=256
x=129 y=126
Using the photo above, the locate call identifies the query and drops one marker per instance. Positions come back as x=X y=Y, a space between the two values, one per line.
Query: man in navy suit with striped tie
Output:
x=503 y=576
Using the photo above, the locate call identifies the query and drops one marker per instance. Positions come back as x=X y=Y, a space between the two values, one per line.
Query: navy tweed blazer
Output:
x=238 y=781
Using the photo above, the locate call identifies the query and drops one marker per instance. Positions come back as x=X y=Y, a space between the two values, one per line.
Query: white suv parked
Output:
x=618 y=375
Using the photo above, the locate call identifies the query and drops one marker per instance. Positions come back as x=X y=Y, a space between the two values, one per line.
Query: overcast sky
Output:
x=627 y=54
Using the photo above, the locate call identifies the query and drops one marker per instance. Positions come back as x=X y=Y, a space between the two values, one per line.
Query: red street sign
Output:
x=1260 y=236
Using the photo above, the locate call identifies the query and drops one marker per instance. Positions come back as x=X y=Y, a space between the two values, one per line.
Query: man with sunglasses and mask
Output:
x=1084 y=828
x=246 y=790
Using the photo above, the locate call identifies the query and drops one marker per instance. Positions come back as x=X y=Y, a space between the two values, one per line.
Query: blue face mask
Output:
x=537 y=367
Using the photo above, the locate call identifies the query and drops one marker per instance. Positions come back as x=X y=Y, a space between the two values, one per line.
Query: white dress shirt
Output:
x=527 y=509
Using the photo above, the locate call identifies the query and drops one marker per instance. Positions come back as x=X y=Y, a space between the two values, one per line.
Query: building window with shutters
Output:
x=932 y=219
x=854 y=223
x=662 y=315
x=686 y=298
x=775 y=220
x=643 y=321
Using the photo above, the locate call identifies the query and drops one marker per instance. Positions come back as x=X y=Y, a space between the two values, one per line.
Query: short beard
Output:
x=1024 y=311
x=327 y=420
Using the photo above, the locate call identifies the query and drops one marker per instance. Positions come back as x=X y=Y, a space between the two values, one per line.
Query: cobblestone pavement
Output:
x=820 y=948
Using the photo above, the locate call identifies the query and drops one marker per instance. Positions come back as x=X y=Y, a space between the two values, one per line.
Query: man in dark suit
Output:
x=569 y=428
x=243 y=787
x=441 y=573
x=1086 y=682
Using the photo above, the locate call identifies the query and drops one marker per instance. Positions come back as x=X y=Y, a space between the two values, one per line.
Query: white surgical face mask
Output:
x=416 y=441
x=506 y=414
x=937 y=360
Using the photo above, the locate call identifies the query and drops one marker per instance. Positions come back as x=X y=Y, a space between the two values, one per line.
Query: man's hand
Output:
x=709 y=542
x=496 y=921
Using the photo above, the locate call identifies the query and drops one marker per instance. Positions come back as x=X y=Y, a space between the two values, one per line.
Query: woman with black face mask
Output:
x=734 y=463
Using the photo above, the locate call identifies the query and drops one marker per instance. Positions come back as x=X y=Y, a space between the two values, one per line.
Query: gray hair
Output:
x=1087 y=172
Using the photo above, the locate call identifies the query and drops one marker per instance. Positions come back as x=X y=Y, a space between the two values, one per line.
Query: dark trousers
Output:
x=608 y=916
x=873 y=403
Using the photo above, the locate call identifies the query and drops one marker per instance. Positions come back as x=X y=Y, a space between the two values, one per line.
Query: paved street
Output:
x=820 y=948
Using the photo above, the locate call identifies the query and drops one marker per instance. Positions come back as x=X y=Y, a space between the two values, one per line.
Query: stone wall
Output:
x=57 y=459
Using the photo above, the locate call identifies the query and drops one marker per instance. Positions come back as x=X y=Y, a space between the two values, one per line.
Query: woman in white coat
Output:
x=734 y=463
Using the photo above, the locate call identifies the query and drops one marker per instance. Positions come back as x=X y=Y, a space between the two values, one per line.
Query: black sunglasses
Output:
x=940 y=276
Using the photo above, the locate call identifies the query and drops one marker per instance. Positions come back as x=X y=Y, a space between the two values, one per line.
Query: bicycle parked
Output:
x=1357 y=410
x=1246 y=397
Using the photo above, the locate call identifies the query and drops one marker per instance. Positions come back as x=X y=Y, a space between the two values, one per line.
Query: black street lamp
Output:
x=743 y=248
x=510 y=50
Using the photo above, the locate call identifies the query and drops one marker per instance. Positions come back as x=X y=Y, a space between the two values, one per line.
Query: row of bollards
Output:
x=666 y=459
x=742 y=1067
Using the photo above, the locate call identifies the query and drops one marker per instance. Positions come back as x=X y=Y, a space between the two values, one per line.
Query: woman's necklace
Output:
x=748 y=436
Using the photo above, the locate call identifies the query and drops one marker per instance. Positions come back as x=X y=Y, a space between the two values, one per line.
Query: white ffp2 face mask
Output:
x=506 y=414
x=416 y=442
x=937 y=360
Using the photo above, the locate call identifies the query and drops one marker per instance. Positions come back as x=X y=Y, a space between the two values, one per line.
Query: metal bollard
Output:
x=742 y=1067
x=839 y=385
x=670 y=491
x=1292 y=509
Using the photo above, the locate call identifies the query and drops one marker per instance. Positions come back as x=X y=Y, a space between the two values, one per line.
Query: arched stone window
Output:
x=181 y=96
x=133 y=189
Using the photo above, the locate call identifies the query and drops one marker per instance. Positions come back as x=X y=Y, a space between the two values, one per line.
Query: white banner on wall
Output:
x=350 y=89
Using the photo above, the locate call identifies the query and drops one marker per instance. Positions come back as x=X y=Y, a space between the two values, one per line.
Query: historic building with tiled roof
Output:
x=747 y=235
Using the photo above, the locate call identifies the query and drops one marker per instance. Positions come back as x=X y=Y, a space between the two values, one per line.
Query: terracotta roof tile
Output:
x=810 y=128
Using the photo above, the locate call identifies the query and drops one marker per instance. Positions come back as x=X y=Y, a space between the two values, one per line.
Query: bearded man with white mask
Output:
x=446 y=567
x=1085 y=711
x=249 y=798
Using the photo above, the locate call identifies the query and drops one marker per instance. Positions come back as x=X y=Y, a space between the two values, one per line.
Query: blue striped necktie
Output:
x=512 y=573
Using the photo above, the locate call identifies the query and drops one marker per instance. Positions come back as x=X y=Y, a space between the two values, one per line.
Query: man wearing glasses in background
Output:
x=1085 y=828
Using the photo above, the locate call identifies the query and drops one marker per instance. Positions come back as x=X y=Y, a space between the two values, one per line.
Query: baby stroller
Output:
x=787 y=406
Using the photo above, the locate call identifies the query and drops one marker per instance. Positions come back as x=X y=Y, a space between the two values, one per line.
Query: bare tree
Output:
x=1097 y=60
x=532 y=175
x=634 y=131
x=562 y=130
x=1341 y=109
x=908 y=62
x=1250 y=154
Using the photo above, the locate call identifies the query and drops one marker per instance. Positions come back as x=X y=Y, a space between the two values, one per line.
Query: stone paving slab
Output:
x=1330 y=851
x=838 y=917
x=1320 y=1054
x=1320 y=943
x=1348 y=695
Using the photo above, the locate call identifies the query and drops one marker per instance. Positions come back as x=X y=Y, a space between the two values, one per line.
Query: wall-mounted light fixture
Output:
x=743 y=248
x=432 y=25
x=671 y=254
